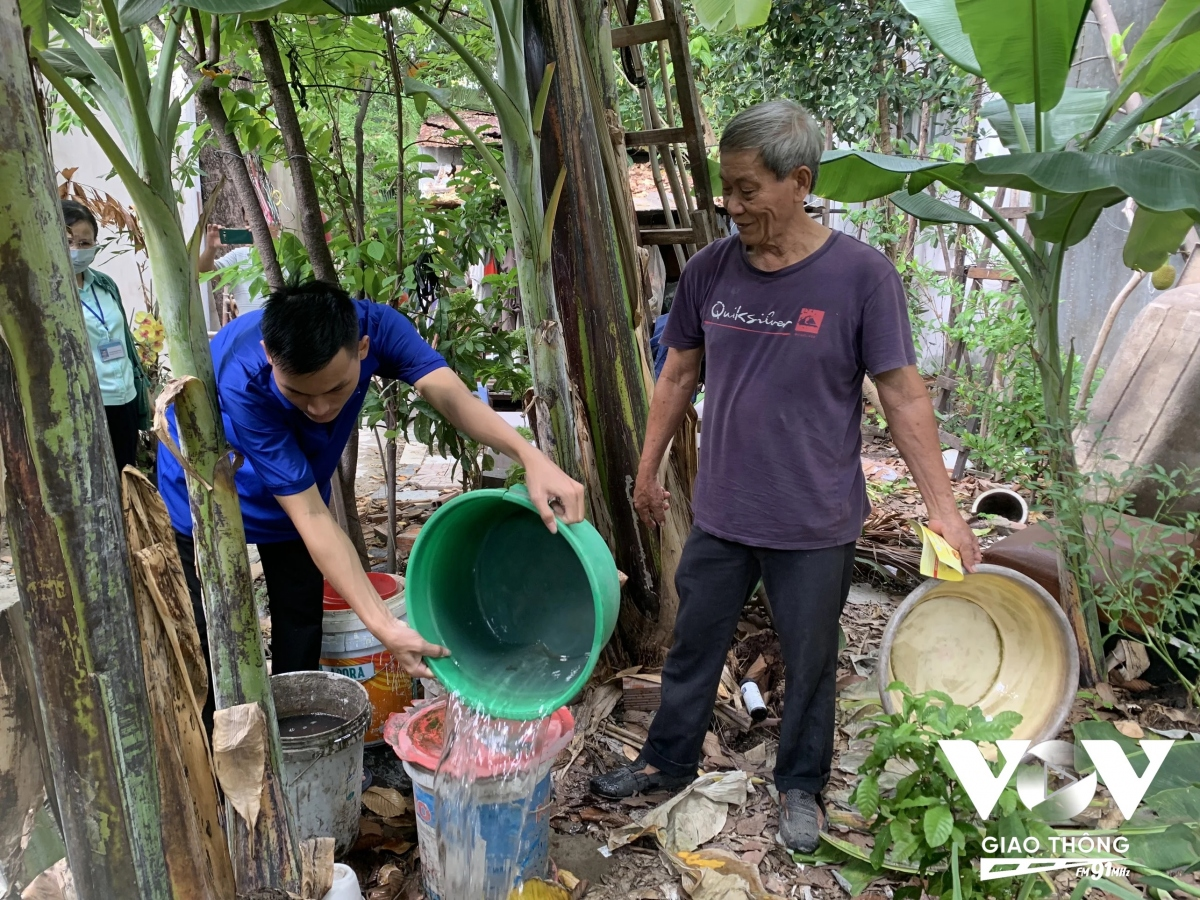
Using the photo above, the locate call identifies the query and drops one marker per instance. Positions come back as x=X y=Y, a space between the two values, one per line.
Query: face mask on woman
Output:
x=81 y=259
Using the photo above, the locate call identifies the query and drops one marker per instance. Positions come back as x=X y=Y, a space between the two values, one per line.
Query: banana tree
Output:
x=1069 y=149
x=145 y=117
x=532 y=216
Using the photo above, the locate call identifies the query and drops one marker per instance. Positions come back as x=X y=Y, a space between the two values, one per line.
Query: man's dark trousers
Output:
x=807 y=589
x=295 y=595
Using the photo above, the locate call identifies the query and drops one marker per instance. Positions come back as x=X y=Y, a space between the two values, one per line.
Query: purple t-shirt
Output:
x=780 y=454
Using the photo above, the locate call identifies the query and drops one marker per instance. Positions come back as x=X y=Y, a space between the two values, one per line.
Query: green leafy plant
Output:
x=1144 y=569
x=1067 y=148
x=927 y=821
x=466 y=333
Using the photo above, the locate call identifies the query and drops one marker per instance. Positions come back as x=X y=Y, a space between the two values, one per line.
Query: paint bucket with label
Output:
x=347 y=648
x=514 y=827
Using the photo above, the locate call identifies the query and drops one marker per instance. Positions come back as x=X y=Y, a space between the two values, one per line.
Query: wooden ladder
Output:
x=664 y=135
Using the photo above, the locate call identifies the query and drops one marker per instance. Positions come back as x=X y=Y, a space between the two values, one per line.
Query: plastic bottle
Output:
x=754 y=701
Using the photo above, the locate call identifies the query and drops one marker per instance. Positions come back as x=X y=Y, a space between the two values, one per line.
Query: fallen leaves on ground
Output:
x=692 y=817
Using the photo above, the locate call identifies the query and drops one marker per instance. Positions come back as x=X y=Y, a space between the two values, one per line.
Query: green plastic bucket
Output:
x=524 y=613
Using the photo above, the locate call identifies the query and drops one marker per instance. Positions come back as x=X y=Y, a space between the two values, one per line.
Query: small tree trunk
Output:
x=387 y=23
x=347 y=473
x=208 y=97
x=970 y=147
x=389 y=475
x=209 y=100
x=360 y=158
x=1076 y=595
x=312 y=229
x=64 y=520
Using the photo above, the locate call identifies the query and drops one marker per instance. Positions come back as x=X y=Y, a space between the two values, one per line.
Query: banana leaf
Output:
x=1162 y=179
x=1068 y=218
x=1175 y=848
x=34 y=16
x=97 y=68
x=725 y=15
x=1075 y=114
x=939 y=19
x=1166 y=53
x=1180 y=58
x=252 y=10
x=1165 y=102
x=1024 y=51
x=854 y=176
x=135 y=13
x=1153 y=237
x=1180 y=769
x=67 y=62
x=929 y=209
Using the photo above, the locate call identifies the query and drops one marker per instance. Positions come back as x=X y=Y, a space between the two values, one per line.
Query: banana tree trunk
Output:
x=596 y=308
x=64 y=519
x=554 y=411
x=22 y=788
x=267 y=856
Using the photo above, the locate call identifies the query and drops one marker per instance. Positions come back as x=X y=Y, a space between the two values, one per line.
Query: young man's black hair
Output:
x=305 y=326
x=74 y=211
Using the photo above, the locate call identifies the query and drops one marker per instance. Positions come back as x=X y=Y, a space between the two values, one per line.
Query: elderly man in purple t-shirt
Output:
x=788 y=316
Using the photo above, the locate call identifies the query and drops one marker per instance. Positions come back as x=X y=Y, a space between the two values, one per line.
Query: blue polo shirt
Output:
x=285 y=452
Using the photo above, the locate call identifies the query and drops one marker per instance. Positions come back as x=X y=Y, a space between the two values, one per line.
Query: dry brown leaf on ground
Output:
x=1105 y=692
x=692 y=817
x=718 y=875
x=386 y=802
x=369 y=826
x=239 y=756
x=756 y=824
x=1130 y=729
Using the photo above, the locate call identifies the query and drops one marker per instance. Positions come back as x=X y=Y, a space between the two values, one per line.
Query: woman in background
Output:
x=123 y=384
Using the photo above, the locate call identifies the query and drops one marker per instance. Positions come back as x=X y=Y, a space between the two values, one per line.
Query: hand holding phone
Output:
x=232 y=237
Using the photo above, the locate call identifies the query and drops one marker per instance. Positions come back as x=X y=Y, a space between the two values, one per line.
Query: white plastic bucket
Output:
x=322 y=772
x=507 y=819
x=345 y=884
x=347 y=648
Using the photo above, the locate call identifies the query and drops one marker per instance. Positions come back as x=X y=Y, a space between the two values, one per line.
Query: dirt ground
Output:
x=608 y=733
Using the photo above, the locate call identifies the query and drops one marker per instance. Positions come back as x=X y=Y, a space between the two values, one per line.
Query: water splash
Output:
x=491 y=776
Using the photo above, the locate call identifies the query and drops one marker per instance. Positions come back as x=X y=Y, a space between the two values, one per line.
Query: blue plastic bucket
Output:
x=514 y=826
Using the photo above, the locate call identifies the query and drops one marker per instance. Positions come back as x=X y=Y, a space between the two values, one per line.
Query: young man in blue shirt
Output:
x=292 y=379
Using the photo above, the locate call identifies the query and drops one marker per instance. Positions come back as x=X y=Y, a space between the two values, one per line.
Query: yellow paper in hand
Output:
x=938 y=559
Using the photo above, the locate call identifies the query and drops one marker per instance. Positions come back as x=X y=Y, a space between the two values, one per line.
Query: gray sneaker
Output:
x=800 y=820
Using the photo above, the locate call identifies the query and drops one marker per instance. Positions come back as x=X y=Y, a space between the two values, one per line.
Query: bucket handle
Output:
x=333 y=748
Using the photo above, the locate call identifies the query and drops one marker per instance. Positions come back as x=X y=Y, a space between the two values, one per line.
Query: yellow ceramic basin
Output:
x=995 y=640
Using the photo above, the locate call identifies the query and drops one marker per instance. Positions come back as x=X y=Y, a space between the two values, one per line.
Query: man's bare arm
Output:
x=913 y=427
x=672 y=393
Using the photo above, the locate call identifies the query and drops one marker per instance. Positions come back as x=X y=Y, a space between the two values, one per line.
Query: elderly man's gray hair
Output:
x=783 y=133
